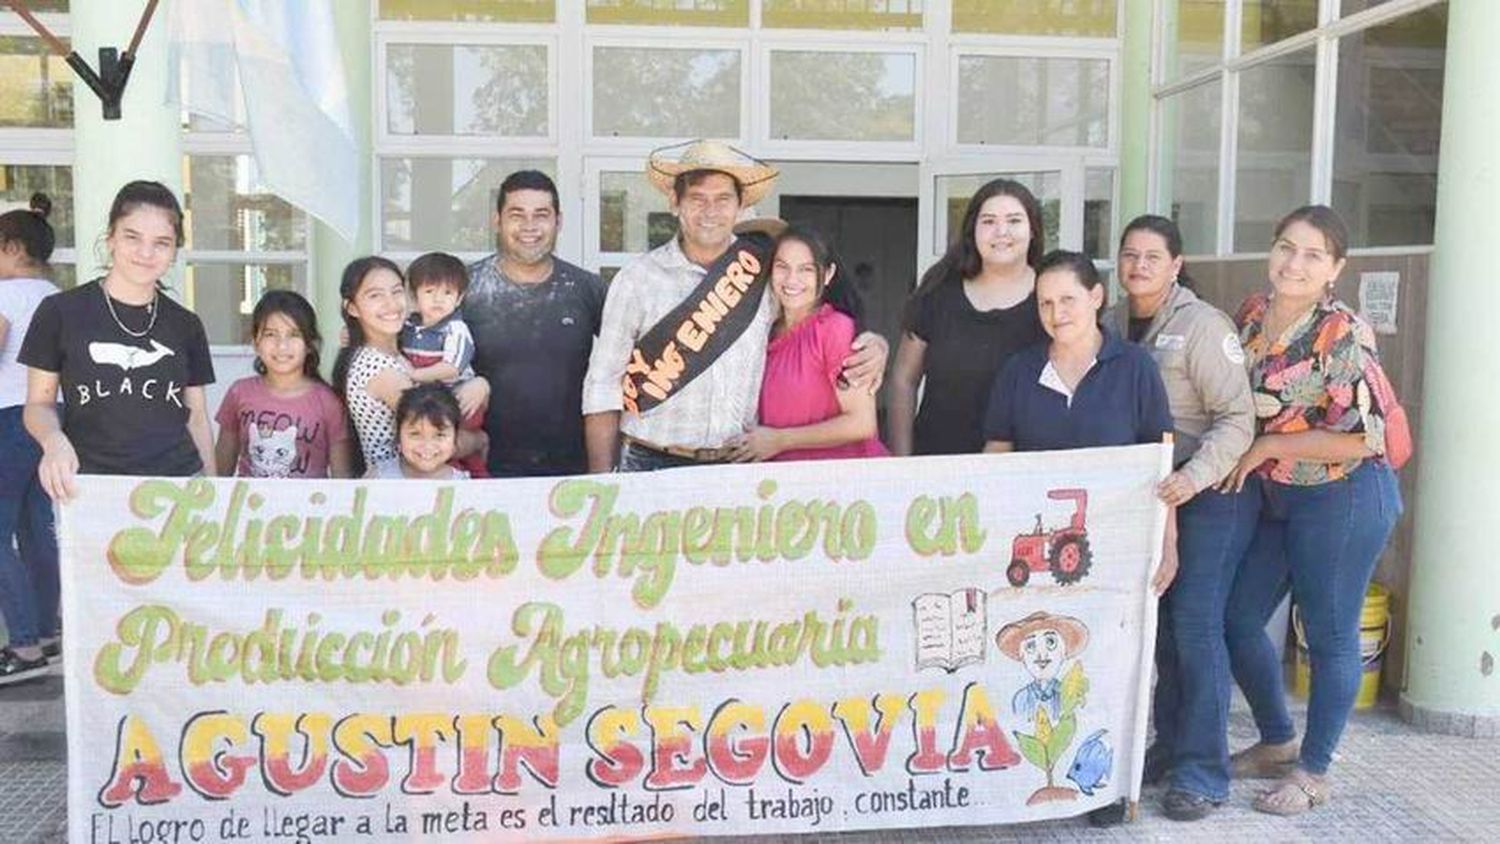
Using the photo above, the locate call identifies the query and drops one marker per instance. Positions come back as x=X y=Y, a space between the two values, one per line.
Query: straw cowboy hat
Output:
x=665 y=164
x=1074 y=634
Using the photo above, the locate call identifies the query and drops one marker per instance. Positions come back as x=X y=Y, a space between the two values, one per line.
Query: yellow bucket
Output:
x=1374 y=635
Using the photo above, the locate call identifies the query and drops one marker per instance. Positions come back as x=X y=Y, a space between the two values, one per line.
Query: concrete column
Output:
x=1453 y=637
x=144 y=144
x=330 y=252
x=1135 y=112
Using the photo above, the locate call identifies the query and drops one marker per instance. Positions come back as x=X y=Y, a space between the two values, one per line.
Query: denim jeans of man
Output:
x=634 y=458
x=28 y=543
x=1191 y=710
x=1322 y=543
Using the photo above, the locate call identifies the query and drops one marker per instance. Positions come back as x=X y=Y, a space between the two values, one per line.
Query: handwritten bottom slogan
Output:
x=735 y=649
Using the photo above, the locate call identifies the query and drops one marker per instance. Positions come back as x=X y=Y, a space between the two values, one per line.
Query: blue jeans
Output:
x=28 y=579
x=1322 y=542
x=634 y=458
x=1191 y=709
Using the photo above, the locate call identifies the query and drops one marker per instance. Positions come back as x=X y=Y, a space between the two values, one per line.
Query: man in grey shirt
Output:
x=708 y=183
x=534 y=318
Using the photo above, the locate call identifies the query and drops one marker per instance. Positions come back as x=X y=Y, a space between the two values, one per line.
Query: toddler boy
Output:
x=436 y=340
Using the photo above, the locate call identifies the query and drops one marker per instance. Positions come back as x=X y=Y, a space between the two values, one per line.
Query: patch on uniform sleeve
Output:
x=1232 y=350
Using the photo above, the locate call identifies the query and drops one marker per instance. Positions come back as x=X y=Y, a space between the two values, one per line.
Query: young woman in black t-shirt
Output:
x=130 y=361
x=973 y=309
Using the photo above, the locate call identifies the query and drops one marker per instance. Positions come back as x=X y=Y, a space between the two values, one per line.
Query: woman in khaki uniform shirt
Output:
x=1197 y=348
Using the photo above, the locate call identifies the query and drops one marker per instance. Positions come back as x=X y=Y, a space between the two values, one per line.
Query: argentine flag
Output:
x=295 y=104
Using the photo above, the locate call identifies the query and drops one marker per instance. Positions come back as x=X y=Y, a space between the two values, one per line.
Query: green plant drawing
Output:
x=1048 y=741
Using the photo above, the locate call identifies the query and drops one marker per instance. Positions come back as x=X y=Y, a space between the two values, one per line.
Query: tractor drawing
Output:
x=1064 y=551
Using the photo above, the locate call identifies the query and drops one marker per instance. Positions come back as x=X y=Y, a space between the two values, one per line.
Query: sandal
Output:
x=1297 y=793
x=1264 y=761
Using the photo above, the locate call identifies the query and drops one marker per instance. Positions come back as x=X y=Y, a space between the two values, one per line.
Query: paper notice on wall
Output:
x=1378 y=294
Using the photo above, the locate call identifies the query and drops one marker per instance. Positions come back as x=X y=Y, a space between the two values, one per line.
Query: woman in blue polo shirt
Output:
x=1085 y=388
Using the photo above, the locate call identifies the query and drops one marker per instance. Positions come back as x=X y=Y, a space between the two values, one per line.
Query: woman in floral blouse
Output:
x=1329 y=503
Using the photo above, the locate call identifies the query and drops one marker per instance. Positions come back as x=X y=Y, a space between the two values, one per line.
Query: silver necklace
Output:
x=150 y=308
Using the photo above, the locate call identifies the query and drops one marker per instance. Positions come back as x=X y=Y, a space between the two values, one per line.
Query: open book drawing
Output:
x=950 y=629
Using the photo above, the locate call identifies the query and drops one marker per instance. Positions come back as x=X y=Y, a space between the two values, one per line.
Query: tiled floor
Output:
x=1394 y=784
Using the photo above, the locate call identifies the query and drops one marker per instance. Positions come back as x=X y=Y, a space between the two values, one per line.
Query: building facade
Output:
x=883 y=115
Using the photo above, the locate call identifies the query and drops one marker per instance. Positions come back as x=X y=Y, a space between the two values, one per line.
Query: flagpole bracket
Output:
x=108 y=84
x=110 y=80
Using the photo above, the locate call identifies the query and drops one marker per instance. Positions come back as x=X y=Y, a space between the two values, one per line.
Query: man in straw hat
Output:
x=1042 y=642
x=682 y=343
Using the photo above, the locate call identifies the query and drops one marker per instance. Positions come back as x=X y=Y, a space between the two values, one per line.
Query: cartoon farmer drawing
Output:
x=1042 y=642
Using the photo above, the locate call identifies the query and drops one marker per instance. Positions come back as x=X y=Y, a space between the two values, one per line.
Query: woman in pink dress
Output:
x=807 y=411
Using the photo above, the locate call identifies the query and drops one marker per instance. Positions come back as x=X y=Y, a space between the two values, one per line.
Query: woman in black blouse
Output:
x=973 y=309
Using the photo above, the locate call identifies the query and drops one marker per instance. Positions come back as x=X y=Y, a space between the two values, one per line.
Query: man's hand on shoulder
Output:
x=865 y=365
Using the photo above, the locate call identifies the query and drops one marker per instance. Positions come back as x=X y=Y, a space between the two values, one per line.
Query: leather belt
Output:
x=697 y=455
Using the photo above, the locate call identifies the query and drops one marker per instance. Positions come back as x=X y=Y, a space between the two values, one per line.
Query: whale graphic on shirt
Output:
x=128 y=357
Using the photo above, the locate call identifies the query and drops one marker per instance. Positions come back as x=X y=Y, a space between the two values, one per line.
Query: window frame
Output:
x=1083 y=49
x=1324 y=40
x=41 y=146
x=633 y=38
x=580 y=156
x=912 y=44
x=237 y=143
x=489 y=35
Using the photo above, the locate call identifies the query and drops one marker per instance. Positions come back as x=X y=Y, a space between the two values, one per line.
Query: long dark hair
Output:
x=839 y=291
x=1167 y=230
x=962 y=259
x=354 y=277
x=290 y=304
x=29 y=228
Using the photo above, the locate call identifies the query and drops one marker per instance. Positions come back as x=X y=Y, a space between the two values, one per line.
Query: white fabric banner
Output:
x=803 y=647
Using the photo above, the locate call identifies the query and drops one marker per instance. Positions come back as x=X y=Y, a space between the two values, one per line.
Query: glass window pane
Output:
x=843 y=96
x=1389 y=120
x=890 y=15
x=19 y=181
x=665 y=93
x=1027 y=101
x=228 y=208
x=1268 y=21
x=224 y=295
x=444 y=203
x=1091 y=18
x=1189 y=164
x=65 y=276
x=1349 y=7
x=507 y=11
x=466 y=89
x=953 y=193
x=1099 y=213
x=1272 y=172
x=36 y=86
x=633 y=215
x=670 y=12
x=1194 y=35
